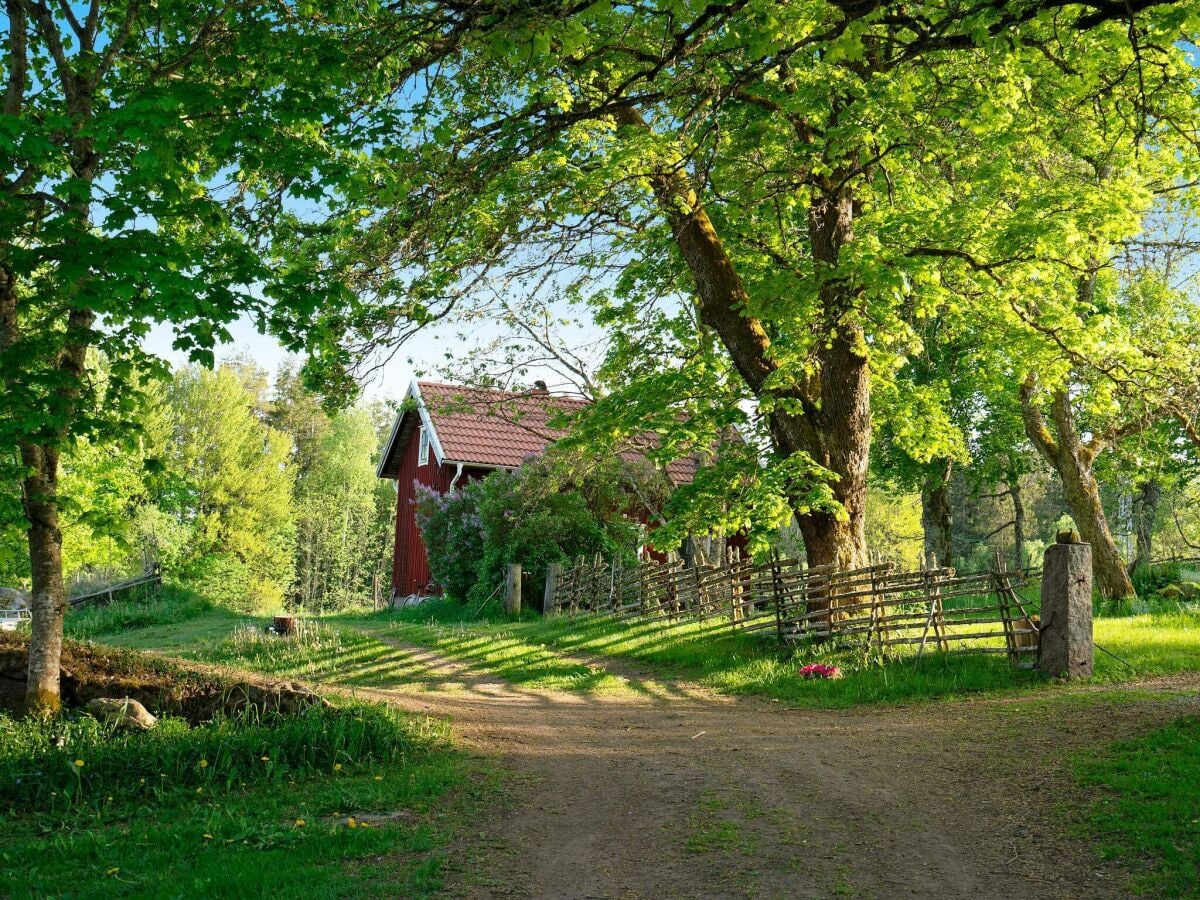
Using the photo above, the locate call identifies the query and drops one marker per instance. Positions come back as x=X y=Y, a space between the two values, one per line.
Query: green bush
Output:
x=541 y=513
x=228 y=581
x=1153 y=578
x=529 y=518
x=75 y=759
x=452 y=533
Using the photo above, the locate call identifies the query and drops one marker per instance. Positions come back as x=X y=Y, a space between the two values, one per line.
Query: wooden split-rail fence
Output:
x=877 y=607
x=152 y=577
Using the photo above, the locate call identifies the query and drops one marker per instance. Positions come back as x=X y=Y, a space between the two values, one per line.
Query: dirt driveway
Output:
x=669 y=791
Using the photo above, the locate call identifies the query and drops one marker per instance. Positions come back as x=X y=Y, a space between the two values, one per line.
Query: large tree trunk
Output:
x=836 y=400
x=837 y=436
x=1083 y=497
x=49 y=604
x=1072 y=458
x=1145 y=512
x=937 y=521
x=59 y=408
x=1018 y=502
x=828 y=417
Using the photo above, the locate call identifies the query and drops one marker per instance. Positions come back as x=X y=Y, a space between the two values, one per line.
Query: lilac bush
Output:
x=452 y=532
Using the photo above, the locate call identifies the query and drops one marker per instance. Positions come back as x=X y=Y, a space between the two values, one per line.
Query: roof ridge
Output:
x=528 y=393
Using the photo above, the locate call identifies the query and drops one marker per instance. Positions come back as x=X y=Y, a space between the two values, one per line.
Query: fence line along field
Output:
x=879 y=607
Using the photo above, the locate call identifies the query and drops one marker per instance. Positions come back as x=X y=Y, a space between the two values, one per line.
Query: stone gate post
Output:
x=1066 y=645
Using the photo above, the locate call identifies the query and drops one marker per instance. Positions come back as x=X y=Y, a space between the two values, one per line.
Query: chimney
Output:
x=539 y=387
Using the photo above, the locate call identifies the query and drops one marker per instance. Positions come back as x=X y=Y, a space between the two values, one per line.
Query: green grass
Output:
x=320 y=652
x=1148 y=816
x=529 y=651
x=355 y=649
x=495 y=649
x=201 y=812
x=171 y=605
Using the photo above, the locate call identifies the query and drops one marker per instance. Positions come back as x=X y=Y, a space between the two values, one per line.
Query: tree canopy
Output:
x=147 y=150
x=769 y=201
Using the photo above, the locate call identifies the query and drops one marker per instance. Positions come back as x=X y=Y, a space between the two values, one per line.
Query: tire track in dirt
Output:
x=667 y=790
x=683 y=793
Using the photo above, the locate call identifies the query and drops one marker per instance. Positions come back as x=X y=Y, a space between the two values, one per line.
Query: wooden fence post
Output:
x=512 y=592
x=777 y=594
x=552 y=573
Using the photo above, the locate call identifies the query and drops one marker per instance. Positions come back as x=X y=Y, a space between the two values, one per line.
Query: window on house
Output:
x=423 y=449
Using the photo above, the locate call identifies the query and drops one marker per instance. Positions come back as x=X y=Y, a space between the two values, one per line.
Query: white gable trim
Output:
x=413 y=393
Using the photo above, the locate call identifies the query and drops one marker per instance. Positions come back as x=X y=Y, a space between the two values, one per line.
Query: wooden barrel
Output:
x=285 y=624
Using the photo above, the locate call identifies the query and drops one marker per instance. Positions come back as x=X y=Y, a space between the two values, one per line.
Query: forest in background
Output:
x=238 y=484
x=242 y=487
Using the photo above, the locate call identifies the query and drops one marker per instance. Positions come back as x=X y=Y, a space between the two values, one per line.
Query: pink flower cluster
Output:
x=818 y=670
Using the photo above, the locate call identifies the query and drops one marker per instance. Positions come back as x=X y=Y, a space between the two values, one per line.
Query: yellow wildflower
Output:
x=300 y=823
x=350 y=823
x=208 y=837
x=113 y=871
x=79 y=763
x=337 y=767
x=199 y=790
x=266 y=759
x=204 y=763
x=379 y=778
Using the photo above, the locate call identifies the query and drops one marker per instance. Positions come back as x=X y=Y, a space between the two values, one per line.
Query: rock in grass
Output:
x=12 y=598
x=125 y=712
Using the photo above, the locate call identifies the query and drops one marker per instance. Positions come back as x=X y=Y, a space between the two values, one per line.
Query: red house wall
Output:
x=410 y=566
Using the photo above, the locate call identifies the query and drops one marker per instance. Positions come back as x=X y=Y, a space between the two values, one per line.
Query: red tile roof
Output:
x=490 y=427
x=484 y=427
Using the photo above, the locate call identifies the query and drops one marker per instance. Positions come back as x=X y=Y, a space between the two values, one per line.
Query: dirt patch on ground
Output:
x=90 y=671
x=671 y=791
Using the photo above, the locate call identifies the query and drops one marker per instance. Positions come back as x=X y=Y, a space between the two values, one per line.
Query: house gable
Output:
x=475 y=426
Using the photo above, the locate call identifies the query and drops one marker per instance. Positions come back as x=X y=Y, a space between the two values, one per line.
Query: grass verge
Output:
x=354 y=801
x=354 y=649
x=530 y=650
x=1148 y=814
x=171 y=604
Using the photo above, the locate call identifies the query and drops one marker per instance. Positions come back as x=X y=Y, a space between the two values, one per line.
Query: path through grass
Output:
x=532 y=649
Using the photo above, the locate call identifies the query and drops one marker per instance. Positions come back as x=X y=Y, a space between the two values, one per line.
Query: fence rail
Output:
x=108 y=594
x=877 y=607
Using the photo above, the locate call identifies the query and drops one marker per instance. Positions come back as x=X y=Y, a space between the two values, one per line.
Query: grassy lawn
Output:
x=345 y=649
x=315 y=806
x=1148 y=814
x=354 y=649
x=354 y=801
x=176 y=618
x=528 y=651
x=495 y=648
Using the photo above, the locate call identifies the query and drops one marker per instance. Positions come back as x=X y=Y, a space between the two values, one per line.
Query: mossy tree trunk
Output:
x=1073 y=459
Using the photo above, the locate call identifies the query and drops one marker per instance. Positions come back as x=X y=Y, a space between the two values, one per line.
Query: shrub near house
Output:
x=535 y=515
x=446 y=437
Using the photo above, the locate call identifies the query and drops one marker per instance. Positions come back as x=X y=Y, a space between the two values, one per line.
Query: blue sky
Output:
x=389 y=382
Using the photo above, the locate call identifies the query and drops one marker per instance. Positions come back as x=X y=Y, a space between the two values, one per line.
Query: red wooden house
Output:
x=446 y=435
